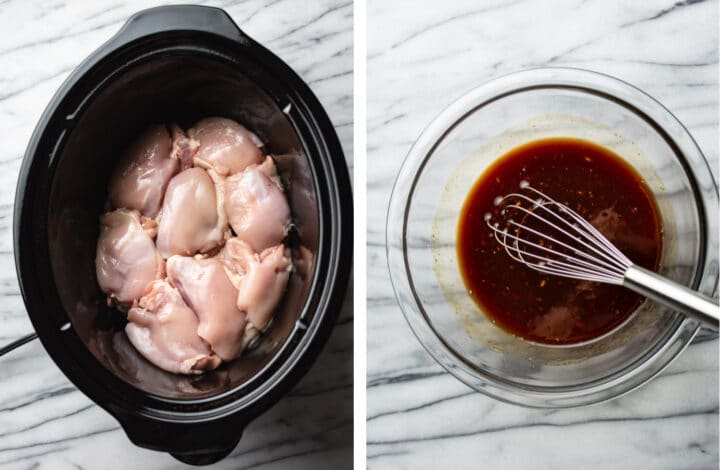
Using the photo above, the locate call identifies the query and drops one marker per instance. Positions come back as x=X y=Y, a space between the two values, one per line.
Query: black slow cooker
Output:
x=177 y=63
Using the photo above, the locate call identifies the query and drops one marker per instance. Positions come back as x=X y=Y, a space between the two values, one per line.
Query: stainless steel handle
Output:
x=673 y=295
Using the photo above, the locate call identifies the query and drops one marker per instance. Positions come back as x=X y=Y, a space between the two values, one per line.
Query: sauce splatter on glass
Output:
x=598 y=185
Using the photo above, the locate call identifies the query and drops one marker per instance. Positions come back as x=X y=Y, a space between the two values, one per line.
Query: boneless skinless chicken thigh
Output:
x=193 y=219
x=164 y=329
x=206 y=288
x=263 y=280
x=256 y=206
x=218 y=213
x=225 y=146
x=126 y=260
x=140 y=179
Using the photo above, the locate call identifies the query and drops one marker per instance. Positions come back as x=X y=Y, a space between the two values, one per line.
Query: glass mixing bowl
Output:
x=455 y=149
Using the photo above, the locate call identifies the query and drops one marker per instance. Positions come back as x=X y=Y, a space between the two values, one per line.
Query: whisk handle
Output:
x=673 y=295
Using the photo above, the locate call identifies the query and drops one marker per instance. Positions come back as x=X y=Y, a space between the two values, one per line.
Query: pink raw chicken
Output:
x=183 y=147
x=192 y=219
x=126 y=260
x=256 y=206
x=140 y=179
x=263 y=280
x=225 y=146
x=164 y=330
x=206 y=289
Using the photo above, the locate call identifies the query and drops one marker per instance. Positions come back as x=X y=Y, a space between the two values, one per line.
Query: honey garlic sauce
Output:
x=598 y=185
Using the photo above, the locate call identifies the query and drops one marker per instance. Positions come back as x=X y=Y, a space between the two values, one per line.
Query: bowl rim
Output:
x=681 y=331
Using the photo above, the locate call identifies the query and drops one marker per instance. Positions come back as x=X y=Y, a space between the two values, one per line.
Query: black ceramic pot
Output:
x=177 y=63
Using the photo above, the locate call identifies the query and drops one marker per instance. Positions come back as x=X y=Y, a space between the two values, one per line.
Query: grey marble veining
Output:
x=45 y=422
x=423 y=56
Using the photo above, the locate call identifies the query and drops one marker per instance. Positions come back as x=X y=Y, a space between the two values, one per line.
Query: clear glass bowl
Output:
x=439 y=171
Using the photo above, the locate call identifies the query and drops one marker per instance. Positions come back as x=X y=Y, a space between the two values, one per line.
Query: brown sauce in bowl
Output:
x=598 y=185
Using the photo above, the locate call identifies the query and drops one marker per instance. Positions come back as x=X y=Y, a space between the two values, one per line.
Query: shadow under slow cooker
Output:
x=180 y=88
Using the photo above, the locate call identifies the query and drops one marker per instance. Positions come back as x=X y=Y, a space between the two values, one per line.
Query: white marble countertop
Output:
x=422 y=56
x=45 y=422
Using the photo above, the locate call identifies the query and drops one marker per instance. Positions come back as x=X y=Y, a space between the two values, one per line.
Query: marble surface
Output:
x=45 y=422
x=421 y=57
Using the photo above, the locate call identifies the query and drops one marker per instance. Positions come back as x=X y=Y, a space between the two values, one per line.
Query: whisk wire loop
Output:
x=602 y=256
x=575 y=249
x=590 y=256
x=545 y=264
x=597 y=238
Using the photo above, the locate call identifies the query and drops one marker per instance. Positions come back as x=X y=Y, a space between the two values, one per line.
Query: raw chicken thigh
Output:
x=225 y=146
x=264 y=278
x=211 y=204
x=165 y=331
x=192 y=218
x=207 y=290
x=126 y=259
x=256 y=206
x=140 y=179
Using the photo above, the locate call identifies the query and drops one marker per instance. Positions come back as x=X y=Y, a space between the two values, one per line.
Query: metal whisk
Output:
x=549 y=237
